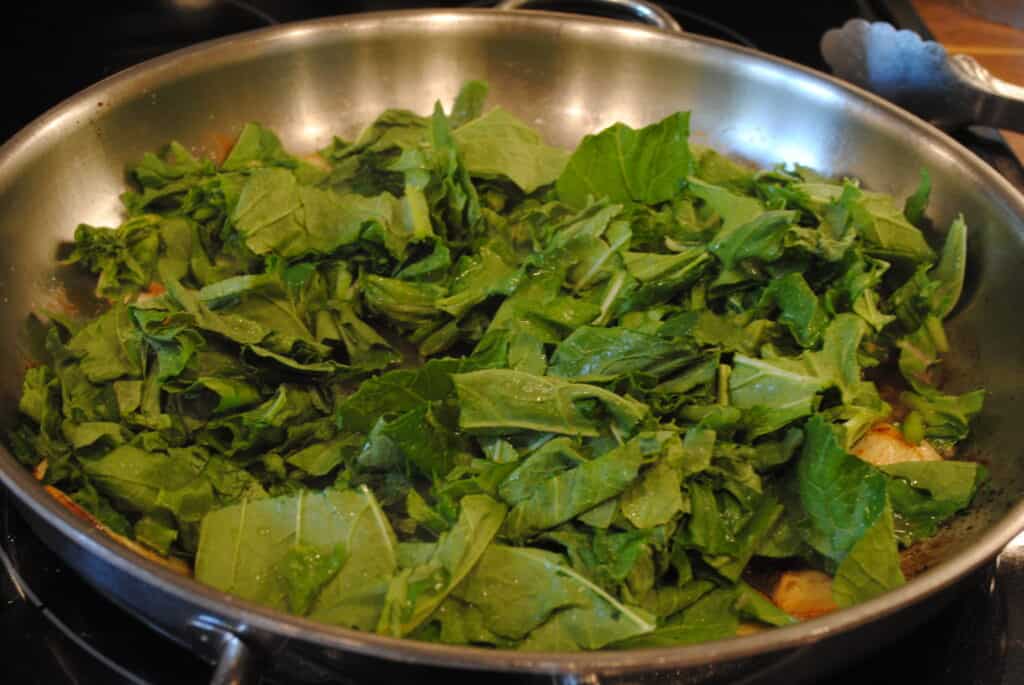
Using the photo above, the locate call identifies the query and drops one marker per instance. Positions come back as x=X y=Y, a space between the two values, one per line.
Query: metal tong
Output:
x=951 y=91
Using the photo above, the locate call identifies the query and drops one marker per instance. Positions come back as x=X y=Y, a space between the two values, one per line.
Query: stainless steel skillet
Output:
x=566 y=75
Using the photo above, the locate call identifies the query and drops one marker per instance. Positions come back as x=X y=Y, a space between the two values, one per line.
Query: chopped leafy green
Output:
x=448 y=382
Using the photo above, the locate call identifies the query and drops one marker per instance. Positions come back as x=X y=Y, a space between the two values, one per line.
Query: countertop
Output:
x=998 y=47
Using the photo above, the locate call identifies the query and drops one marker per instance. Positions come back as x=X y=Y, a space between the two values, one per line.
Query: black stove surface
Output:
x=55 y=630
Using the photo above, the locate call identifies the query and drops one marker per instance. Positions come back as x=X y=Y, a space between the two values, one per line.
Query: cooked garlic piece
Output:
x=884 y=444
x=804 y=594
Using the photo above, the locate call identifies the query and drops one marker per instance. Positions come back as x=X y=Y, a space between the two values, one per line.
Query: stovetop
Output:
x=55 y=630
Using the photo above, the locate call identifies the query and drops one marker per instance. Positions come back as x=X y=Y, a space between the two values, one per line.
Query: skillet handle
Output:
x=577 y=679
x=646 y=12
x=236 y=664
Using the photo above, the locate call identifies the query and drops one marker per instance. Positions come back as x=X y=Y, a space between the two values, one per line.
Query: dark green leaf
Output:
x=800 y=310
x=843 y=496
x=916 y=205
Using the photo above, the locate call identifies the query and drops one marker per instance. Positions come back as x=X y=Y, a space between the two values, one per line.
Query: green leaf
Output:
x=422 y=513
x=260 y=426
x=460 y=624
x=712 y=617
x=305 y=570
x=842 y=495
x=715 y=167
x=366 y=348
x=539 y=308
x=478 y=278
x=469 y=103
x=711 y=329
x=648 y=165
x=155 y=535
x=734 y=210
x=753 y=604
x=90 y=433
x=800 y=310
x=838 y=362
x=452 y=559
x=925 y=494
x=666 y=600
x=148 y=482
x=951 y=269
x=876 y=219
x=661 y=278
x=321 y=458
x=872 y=567
x=396 y=392
x=951 y=481
x=760 y=239
x=574 y=491
x=275 y=214
x=36 y=395
x=124 y=257
x=655 y=498
x=521 y=589
x=946 y=417
x=414 y=304
x=246 y=550
x=747 y=539
x=547 y=461
x=89 y=499
x=601 y=354
x=171 y=337
x=917 y=204
x=231 y=394
x=499 y=145
x=502 y=401
x=416 y=437
x=772 y=393
x=257 y=146
x=919 y=353
x=109 y=347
